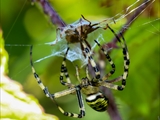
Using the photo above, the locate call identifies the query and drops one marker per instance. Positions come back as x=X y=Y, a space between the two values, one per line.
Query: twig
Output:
x=49 y=10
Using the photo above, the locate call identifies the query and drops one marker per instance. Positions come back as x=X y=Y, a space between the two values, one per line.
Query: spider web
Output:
x=75 y=53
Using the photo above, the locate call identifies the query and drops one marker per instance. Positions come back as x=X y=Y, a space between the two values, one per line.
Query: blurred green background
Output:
x=24 y=25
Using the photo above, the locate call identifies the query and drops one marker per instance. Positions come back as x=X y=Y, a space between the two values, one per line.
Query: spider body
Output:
x=98 y=102
x=88 y=86
x=94 y=98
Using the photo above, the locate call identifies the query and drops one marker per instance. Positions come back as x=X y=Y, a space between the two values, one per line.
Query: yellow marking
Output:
x=125 y=75
x=77 y=74
x=83 y=108
x=123 y=86
x=105 y=52
x=68 y=80
x=93 y=63
x=65 y=92
x=75 y=115
x=62 y=111
x=42 y=86
x=64 y=63
x=47 y=95
x=98 y=104
x=69 y=114
x=84 y=45
x=97 y=73
x=110 y=85
x=100 y=100
x=61 y=74
x=38 y=79
x=126 y=66
x=33 y=70
x=111 y=62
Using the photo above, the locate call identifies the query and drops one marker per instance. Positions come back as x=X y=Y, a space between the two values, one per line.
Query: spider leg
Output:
x=87 y=44
x=86 y=19
x=82 y=48
x=92 y=62
x=110 y=61
x=77 y=74
x=45 y=90
x=87 y=72
x=80 y=102
x=64 y=71
x=126 y=58
x=114 y=80
x=60 y=94
x=110 y=85
x=90 y=22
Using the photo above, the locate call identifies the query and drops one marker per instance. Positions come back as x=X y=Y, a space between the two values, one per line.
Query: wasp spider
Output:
x=88 y=86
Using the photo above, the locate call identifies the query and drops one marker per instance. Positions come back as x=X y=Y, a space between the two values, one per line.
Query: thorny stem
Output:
x=55 y=18
x=131 y=20
x=49 y=10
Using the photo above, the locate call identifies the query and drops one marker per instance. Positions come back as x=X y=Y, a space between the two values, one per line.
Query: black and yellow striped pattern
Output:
x=74 y=89
x=110 y=61
x=45 y=90
x=92 y=62
x=81 y=105
x=126 y=64
x=64 y=71
x=99 y=102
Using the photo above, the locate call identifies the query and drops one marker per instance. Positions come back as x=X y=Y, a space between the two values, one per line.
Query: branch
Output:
x=49 y=10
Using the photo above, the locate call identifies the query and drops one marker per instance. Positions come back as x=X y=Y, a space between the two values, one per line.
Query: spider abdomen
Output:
x=98 y=102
